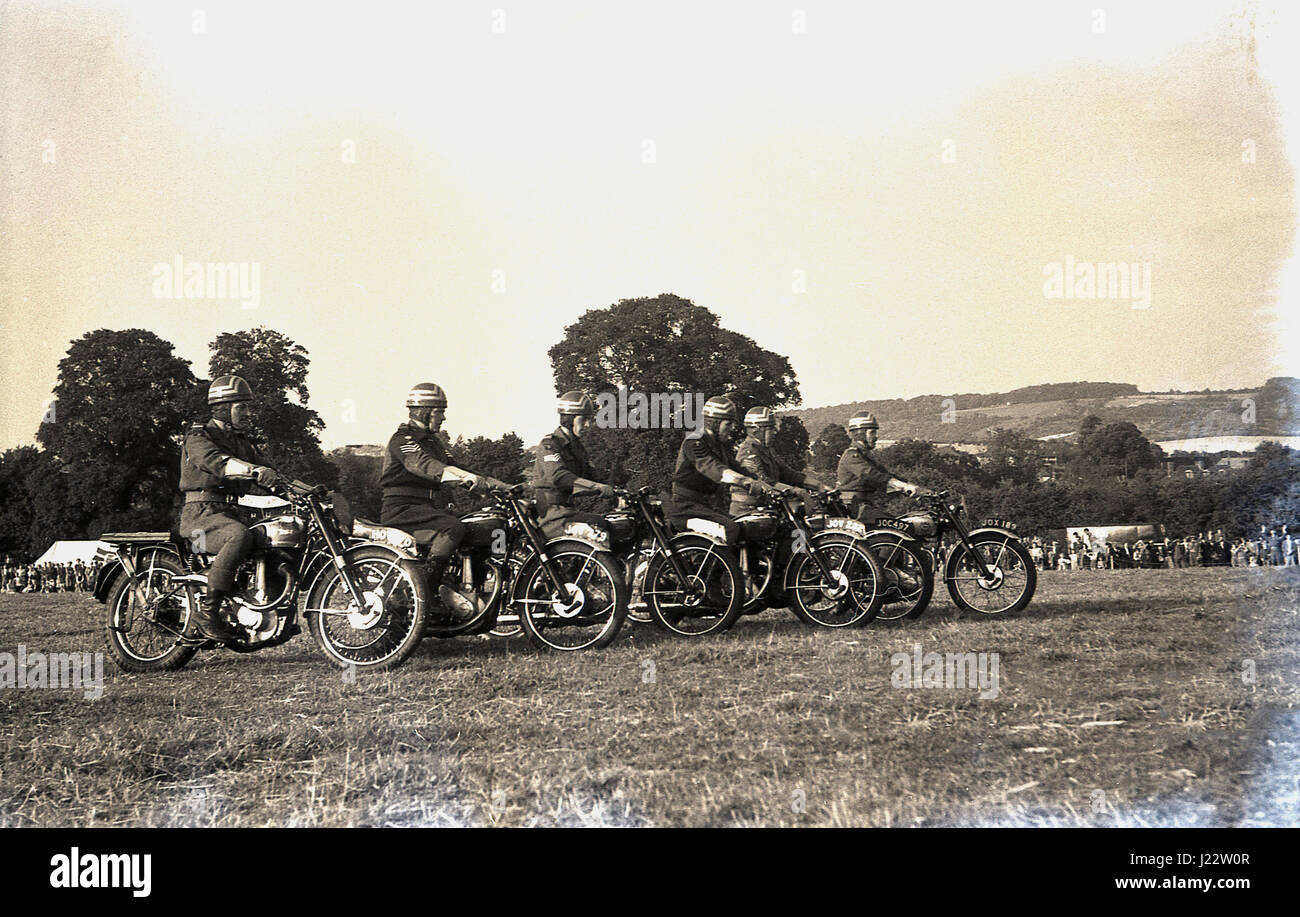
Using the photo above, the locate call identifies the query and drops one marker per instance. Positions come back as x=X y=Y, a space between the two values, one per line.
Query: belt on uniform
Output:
x=208 y=496
x=420 y=493
x=690 y=495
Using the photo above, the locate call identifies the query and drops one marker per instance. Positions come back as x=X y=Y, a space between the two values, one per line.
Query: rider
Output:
x=415 y=468
x=563 y=470
x=218 y=464
x=757 y=457
x=863 y=480
x=704 y=463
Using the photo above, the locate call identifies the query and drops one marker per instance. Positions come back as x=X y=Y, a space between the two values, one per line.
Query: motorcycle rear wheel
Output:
x=145 y=616
x=909 y=579
x=713 y=570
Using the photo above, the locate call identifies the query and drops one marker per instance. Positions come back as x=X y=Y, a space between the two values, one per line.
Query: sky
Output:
x=433 y=192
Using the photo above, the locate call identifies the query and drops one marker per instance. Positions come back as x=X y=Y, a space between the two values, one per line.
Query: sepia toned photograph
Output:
x=675 y=415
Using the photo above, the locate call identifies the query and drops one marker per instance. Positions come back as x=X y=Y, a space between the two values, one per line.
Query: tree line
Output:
x=109 y=448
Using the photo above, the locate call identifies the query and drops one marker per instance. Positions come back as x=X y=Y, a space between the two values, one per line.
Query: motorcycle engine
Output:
x=261 y=585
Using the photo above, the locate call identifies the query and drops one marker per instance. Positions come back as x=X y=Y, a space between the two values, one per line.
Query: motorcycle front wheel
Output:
x=591 y=611
x=1010 y=585
x=851 y=595
x=382 y=632
x=147 y=615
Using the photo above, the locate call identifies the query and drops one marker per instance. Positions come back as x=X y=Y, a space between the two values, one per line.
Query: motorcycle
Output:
x=365 y=602
x=900 y=546
x=690 y=581
x=791 y=561
x=987 y=569
x=565 y=593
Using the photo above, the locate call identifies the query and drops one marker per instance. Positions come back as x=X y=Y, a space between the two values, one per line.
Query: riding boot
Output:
x=209 y=621
x=434 y=568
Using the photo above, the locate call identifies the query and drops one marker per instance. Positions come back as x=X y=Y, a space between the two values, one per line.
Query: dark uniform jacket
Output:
x=861 y=475
x=413 y=464
x=204 y=453
x=862 y=480
x=760 y=461
x=700 y=463
x=561 y=460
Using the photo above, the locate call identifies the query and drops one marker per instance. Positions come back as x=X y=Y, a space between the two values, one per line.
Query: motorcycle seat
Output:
x=386 y=534
x=136 y=537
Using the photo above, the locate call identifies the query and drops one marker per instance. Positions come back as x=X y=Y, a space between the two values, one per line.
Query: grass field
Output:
x=1121 y=700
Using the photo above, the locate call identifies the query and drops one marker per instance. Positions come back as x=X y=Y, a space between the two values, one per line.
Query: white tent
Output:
x=66 y=552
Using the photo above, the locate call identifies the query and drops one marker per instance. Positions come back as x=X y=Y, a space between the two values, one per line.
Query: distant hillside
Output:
x=1056 y=409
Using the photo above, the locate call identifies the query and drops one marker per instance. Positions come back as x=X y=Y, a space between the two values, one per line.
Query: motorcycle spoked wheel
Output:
x=711 y=568
x=146 y=616
x=390 y=626
x=1014 y=576
x=854 y=595
x=908 y=583
x=589 y=616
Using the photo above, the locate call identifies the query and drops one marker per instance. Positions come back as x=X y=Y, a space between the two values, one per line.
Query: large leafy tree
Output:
x=928 y=464
x=1013 y=456
x=1117 y=449
x=503 y=458
x=34 y=505
x=827 y=449
x=114 y=430
x=283 y=424
x=358 y=481
x=662 y=344
x=791 y=442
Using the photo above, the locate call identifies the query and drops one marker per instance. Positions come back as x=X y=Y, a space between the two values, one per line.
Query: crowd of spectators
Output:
x=76 y=576
x=1271 y=547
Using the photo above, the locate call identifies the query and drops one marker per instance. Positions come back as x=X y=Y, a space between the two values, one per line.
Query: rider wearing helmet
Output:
x=863 y=480
x=704 y=463
x=563 y=470
x=415 y=468
x=759 y=460
x=218 y=465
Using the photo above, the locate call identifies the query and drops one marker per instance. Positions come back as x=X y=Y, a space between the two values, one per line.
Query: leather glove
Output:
x=605 y=490
x=759 y=488
x=491 y=483
x=267 y=477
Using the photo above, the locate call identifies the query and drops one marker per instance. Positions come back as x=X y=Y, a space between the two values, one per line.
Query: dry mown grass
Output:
x=1121 y=702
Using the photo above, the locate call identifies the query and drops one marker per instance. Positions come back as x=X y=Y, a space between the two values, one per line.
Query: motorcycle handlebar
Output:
x=302 y=489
